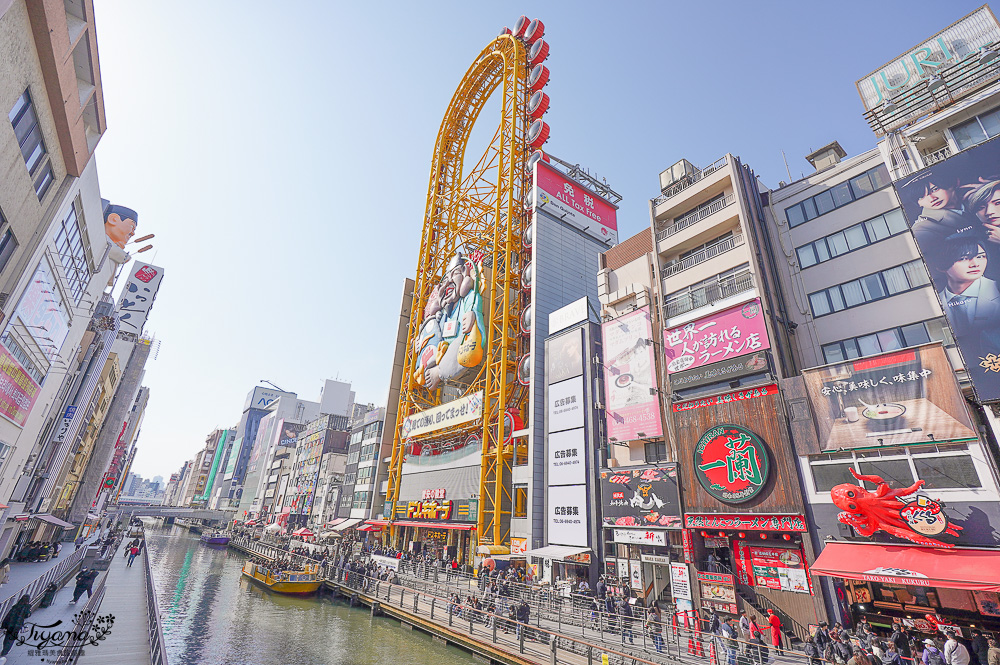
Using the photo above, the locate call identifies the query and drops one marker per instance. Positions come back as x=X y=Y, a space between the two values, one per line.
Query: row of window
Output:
x=709 y=290
x=22 y=357
x=73 y=255
x=29 y=138
x=838 y=196
x=852 y=238
x=361 y=499
x=891 y=339
x=982 y=127
x=869 y=288
x=365 y=475
x=940 y=466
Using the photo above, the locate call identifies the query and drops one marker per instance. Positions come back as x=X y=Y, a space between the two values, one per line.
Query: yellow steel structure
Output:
x=482 y=212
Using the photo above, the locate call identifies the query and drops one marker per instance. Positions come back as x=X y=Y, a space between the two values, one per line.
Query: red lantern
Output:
x=538 y=77
x=741 y=534
x=538 y=104
x=763 y=536
x=722 y=534
x=787 y=537
x=704 y=534
x=538 y=52
x=520 y=25
x=538 y=133
x=534 y=31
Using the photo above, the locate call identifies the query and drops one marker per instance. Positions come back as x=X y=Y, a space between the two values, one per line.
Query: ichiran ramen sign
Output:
x=731 y=463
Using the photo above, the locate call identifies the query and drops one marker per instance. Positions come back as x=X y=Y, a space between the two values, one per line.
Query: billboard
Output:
x=565 y=405
x=290 y=433
x=954 y=211
x=42 y=311
x=727 y=334
x=906 y=73
x=567 y=452
x=633 y=405
x=18 y=391
x=641 y=497
x=261 y=398
x=574 y=204
x=567 y=508
x=895 y=398
x=138 y=295
x=727 y=370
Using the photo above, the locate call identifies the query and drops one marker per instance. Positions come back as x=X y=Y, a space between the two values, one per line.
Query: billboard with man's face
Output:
x=954 y=209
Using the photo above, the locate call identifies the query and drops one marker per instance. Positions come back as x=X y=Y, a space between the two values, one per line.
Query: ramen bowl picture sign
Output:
x=731 y=463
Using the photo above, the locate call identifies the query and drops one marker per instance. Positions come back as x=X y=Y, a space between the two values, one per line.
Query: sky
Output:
x=281 y=151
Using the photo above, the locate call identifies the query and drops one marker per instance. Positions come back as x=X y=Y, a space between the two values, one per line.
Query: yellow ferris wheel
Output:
x=466 y=339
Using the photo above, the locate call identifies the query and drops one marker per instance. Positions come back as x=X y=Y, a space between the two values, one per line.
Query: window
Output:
x=29 y=138
x=361 y=499
x=723 y=285
x=656 y=451
x=852 y=238
x=869 y=288
x=838 y=196
x=22 y=356
x=940 y=466
x=73 y=255
x=977 y=130
x=8 y=243
x=520 y=501
x=888 y=340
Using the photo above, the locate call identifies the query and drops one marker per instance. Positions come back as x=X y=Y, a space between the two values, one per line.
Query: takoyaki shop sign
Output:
x=891 y=399
x=731 y=463
x=455 y=412
x=642 y=497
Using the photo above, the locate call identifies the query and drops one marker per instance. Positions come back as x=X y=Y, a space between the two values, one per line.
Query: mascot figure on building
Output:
x=453 y=332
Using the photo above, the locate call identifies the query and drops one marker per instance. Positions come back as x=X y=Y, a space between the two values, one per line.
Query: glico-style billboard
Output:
x=727 y=334
x=954 y=210
x=571 y=202
x=895 y=398
x=633 y=409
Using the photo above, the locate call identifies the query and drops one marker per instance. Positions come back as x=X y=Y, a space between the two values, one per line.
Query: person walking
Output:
x=626 y=616
x=955 y=652
x=133 y=552
x=84 y=582
x=993 y=654
x=79 y=541
x=12 y=624
x=980 y=647
x=775 y=622
x=655 y=628
x=891 y=655
x=931 y=655
x=49 y=595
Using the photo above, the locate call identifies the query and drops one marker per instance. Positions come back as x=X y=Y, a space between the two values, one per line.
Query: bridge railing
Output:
x=36 y=587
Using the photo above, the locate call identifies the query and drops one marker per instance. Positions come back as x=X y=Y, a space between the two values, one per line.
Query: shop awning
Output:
x=369 y=527
x=45 y=517
x=492 y=550
x=347 y=524
x=558 y=552
x=973 y=570
x=335 y=522
x=437 y=525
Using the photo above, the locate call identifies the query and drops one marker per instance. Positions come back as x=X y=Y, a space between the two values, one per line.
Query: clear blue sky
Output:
x=280 y=153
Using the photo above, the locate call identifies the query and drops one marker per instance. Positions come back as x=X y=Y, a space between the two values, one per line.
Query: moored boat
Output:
x=296 y=582
x=215 y=538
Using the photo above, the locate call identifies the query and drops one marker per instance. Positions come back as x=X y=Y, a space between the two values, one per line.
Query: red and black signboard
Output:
x=731 y=463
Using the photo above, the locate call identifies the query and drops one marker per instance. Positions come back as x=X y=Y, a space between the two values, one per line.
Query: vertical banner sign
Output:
x=18 y=391
x=137 y=297
x=633 y=410
x=64 y=425
x=688 y=546
x=954 y=211
x=680 y=581
x=743 y=562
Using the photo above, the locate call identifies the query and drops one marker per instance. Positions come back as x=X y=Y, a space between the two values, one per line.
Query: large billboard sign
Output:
x=896 y=398
x=574 y=204
x=261 y=398
x=633 y=409
x=567 y=513
x=42 y=312
x=906 y=73
x=954 y=209
x=642 y=497
x=138 y=295
x=18 y=391
x=730 y=333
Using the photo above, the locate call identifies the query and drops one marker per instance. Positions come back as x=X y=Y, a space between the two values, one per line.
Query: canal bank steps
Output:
x=544 y=642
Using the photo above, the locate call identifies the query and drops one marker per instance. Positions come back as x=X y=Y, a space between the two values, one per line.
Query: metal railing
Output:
x=157 y=652
x=689 y=180
x=56 y=574
x=80 y=636
x=702 y=255
x=936 y=156
x=695 y=216
x=706 y=295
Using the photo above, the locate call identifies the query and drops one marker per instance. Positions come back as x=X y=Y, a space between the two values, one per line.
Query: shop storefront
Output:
x=436 y=527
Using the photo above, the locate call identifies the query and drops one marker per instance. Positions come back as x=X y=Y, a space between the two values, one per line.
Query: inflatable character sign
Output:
x=452 y=334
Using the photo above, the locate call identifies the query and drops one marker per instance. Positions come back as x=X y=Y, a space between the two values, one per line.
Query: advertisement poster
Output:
x=726 y=370
x=138 y=295
x=641 y=497
x=567 y=507
x=565 y=405
x=566 y=456
x=730 y=333
x=18 y=391
x=777 y=568
x=455 y=412
x=743 y=563
x=42 y=312
x=680 y=581
x=564 y=356
x=895 y=398
x=571 y=202
x=633 y=406
x=518 y=546
x=954 y=214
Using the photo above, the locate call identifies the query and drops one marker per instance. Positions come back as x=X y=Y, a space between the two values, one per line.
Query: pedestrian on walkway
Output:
x=775 y=622
x=655 y=628
x=84 y=582
x=49 y=595
x=12 y=624
x=79 y=541
x=625 y=610
x=132 y=554
x=955 y=652
x=993 y=655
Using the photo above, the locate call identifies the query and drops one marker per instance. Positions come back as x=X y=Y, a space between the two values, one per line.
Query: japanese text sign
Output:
x=745 y=522
x=567 y=516
x=429 y=510
x=18 y=391
x=633 y=406
x=731 y=463
x=735 y=396
x=455 y=412
x=138 y=295
x=571 y=202
x=895 y=398
x=641 y=497
x=730 y=333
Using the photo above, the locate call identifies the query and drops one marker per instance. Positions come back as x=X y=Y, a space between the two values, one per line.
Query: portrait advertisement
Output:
x=953 y=208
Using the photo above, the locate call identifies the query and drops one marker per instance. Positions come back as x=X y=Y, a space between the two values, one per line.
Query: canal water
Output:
x=211 y=615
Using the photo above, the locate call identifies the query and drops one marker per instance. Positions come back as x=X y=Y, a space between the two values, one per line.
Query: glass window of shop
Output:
x=885 y=603
x=940 y=466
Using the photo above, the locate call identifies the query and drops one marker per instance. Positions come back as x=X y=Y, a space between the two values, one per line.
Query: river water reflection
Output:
x=211 y=615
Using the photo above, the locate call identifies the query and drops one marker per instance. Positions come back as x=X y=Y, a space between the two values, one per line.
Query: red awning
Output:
x=974 y=570
x=369 y=527
x=437 y=525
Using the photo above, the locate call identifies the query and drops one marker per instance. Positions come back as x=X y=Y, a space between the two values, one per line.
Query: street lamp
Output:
x=272 y=385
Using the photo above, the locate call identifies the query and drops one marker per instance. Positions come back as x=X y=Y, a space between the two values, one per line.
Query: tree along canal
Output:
x=212 y=615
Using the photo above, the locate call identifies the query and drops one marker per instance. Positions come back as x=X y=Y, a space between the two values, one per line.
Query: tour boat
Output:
x=217 y=538
x=297 y=582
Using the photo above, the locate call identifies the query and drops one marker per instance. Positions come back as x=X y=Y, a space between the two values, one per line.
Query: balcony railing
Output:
x=695 y=216
x=710 y=252
x=706 y=295
x=688 y=180
x=936 y=156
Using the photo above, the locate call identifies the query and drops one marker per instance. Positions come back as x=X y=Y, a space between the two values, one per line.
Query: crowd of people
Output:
x=869 y=646
x=37 y=550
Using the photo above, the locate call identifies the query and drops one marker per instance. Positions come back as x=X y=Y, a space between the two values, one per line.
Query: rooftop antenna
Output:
x=787 y=170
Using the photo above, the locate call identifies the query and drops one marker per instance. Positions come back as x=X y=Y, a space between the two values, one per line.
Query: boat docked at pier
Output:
x=215 y=538
x=296 y=582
